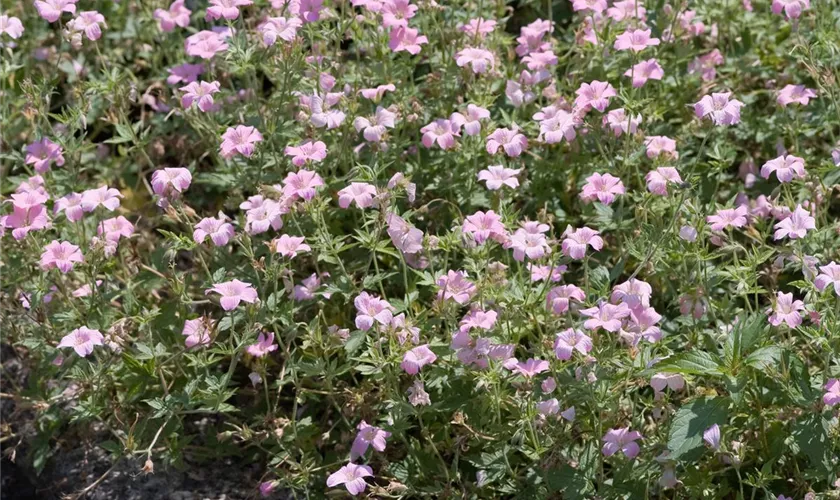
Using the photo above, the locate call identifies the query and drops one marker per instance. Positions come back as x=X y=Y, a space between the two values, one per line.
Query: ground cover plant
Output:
x=467 y=248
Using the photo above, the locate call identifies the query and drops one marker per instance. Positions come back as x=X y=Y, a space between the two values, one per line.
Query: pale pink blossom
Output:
x=279 y=27
x=102 y=196
x=302 y=184
x=575 y=241
x=658 y=180
x=660 y=145
x=606 y=316
x=218 y=229
x=417 y=358
x=796 y=225
x=225 y=9
x=170 y=183
x=61 y=255
x=540 y=60
x=497 y=176
x=479 y=27
x=407 y=238
x=205 y=44
x=832 y=396
x=371 y=309
x=705 y=65
x=792 y=8
x=186 y=73
x=571 y=340
x=644 y=71
x=530 y=368
x=618 y=121
x=596 y=6
x=560 y=126
x=482 y=226
x=360 y=193
x=197 y=332
x=795 y=94
x=442 y=132
x=352 y=476
x=528 y=244
x=719 y=108
x=374 y=128
x=233 y=292
x=40 y=154
x=786 y=167
x=264 y=345
x=479 y=60
x=307 y=152
x=635 y=40
x=594 y=95
x=375 y=94
x=82 y=340
x=621 y=439
x=829 y=275
x=786 y=310
x=51 y=10
x=115 y=228
x=71 y=205
x=558 y=298
x=241 y=139
x=662 y=381
x=396 y=13
x=87 y=22
x=290 y=246
x=368 y=435
x=627 y=9
x=511 y=140
x=406 y=39
x=200 y=93
x=177 y=15
x=712 y=436
x=471 y=122
x=602 y=187
x=11 y=26
x=728 y=217
x=454 y=285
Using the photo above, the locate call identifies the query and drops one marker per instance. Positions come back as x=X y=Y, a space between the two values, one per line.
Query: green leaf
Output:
x=355 y=341
x=690 y=363
x=811 y=436
x=685 y=440
x=765 y=357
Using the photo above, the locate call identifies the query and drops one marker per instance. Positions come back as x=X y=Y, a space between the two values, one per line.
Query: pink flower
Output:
x=320 y=114
x=87 y=22
x=497 y=176
x=705 y=65
x=396 y=13
x=560 y=126
x=558 y=298
x=620 y=123
x=368 y=435
x=482 y=226
x=202 y=93
x=197 y=332
x=241 y=139
x=417 y=358
x=407 y=238
x=454 y=285
x=528 y=244
x=310 y=10
x=658 y=180
x=186 y=73
x=308 y=287
x=177 y=15
x=787 y=168
x=595 y=6
x=549 y=406
x=541 y=273
x=540 y=60
x=219 y=230
x=829 y=275
x=720 y=109
x=375 y=94
x=102 y=196
x=205 y=44
x=791 y=8
x=267 y=214
x=279 y=27
x=23 y=220
x=480 y=60
x=644 y=71
x=472 y=121
x=832 y=392
x=352 y=476
x=302 y=184
x=603 y=188
x=442 y=132
x=40 y=154
x=621 y=439
x=571 y=340
x=635 y=40
x=692 y=304
x=61 y=255
x=635 y=293
x=406 y=39
x=518 y=94
x=51 y=10
x=712 y=436
x=796 y=225
x=306 y=152
x=484 y=320
x=659 y=145
x=728 y=217
x=267 y=487
x=513 y=142
x=627 y=9
x=531 y=37
x=360 y=193
x=169 y=183
x=795 y=94
x=786 y=310
x=265 y=344
x=234 y=292
x=82 y=340
x=375 y=127
x=417 y=394
x=11 y=26
x=479 y=27
x=575 y=241
x=372 y=309
x=662 y=381
x=595 y=94
x=115 y=228
x=606 y=316
x=227 y=9
x=530 y=368
x=71 y=205
x=290 y=246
